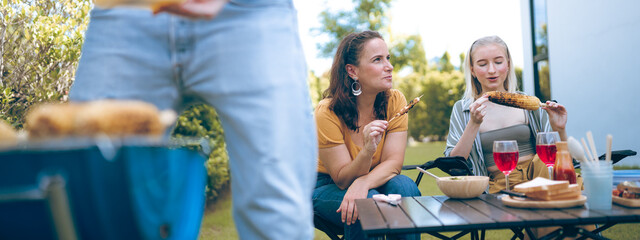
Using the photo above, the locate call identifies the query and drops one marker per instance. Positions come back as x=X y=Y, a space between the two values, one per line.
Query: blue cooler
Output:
x=130 y=191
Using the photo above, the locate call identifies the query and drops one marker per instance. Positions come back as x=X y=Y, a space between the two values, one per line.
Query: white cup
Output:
x=598 y=184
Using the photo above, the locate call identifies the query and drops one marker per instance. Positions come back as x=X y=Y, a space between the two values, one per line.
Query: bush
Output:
x=40 y=46
x=202 y=121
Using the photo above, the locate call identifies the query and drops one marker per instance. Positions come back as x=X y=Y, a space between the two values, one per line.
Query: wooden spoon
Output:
x=428 y=173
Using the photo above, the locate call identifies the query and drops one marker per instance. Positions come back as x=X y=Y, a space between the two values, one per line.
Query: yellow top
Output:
x=332 y=131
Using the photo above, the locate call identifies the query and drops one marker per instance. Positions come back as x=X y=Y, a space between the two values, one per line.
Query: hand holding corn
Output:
x=406 y=109
x=515 y=100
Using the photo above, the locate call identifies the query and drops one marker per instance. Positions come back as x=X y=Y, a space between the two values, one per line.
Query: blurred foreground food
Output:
x=114 y=118
x=8 y=135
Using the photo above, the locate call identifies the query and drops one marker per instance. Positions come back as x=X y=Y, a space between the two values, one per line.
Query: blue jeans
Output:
x=327 y=198
x=249 y=65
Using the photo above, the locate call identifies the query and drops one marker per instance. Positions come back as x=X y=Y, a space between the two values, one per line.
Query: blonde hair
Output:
x=473 y=86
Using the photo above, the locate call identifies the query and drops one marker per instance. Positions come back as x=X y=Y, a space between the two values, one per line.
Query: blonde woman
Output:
x=475 y=122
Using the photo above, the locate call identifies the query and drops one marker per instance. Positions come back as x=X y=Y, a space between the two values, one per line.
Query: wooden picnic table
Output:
x=437 y=214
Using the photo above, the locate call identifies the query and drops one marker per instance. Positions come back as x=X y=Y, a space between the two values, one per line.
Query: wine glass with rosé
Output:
x=505 y=155
x=546 y=149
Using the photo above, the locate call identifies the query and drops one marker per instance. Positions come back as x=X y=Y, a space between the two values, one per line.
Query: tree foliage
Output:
x=544 y=82
x=317 y=84
x=368 y=15
x=201 y=121
x=441 y=90
x=541 y=40
x=409 y=52
x=411 y=87
x=519 y=76
x=40 y=43
x=462 y=57
x=445 y=63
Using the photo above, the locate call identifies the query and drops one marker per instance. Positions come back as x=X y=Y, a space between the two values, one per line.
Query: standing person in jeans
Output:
x=244 y=58
x=361 y=152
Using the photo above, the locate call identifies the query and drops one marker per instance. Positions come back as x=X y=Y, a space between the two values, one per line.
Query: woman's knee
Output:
x=402 y=185
x=372 y=192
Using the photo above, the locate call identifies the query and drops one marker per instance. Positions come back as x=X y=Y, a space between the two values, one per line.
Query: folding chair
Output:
x=616 y=156
x=454 y=166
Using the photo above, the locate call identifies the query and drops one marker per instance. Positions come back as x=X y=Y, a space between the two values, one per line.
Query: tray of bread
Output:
x=627 y=194
x=544 y=193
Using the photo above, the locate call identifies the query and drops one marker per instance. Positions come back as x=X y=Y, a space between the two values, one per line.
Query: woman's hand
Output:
x=478 y=110
x=372 y=134
x=206 y=9
x=557 y=115
x=357 y=190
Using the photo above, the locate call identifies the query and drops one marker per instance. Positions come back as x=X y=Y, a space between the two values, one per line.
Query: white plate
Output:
x=626 y=201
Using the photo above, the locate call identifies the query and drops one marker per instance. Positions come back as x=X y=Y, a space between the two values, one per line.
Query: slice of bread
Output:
x=541 y=184
x=572 y=192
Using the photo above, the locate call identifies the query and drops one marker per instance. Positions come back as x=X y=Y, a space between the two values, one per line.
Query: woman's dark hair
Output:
x=343 y=102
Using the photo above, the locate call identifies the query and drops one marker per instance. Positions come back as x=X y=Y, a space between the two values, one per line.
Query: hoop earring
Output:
x=356 y=89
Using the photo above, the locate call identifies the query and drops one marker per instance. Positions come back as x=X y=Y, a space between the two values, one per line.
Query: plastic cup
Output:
x=598 y=184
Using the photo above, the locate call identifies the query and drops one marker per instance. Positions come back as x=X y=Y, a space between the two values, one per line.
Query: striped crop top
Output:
x=520 y=132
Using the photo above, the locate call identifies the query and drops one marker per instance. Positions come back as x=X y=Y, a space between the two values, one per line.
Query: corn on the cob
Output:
x=406 y=109
x=515 y=100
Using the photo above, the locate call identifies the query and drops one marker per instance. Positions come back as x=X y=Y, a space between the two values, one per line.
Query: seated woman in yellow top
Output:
x=360 y=152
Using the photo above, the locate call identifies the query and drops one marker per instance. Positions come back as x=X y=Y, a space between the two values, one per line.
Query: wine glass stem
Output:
x=506 y=178
x=550 y=172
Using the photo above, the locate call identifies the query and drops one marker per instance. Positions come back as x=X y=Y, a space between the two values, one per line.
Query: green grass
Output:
x=626 y=167
x=217 y=222
x=419 y=154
